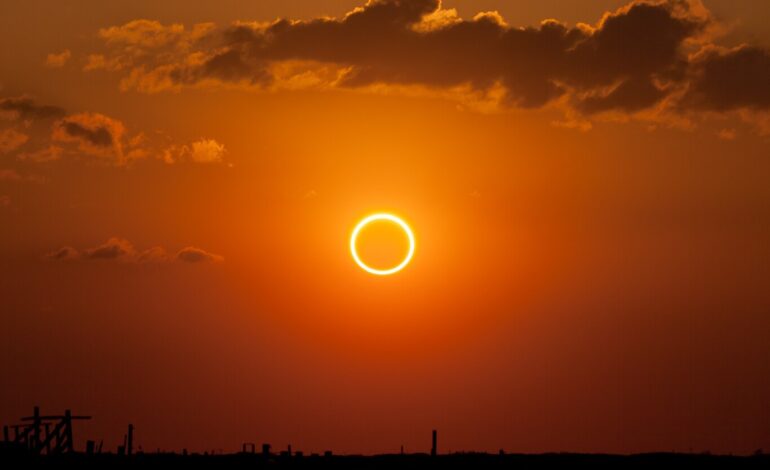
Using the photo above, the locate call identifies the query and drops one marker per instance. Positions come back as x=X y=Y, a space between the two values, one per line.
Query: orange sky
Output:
x=590 y=204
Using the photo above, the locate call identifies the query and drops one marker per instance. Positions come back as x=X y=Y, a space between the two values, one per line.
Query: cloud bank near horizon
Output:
x=121 y=250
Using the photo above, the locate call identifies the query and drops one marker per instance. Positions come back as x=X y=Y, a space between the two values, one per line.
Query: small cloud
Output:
x=312 y=194
x=95 y=129
x=201 y=151
x=114 y=248
x=95 y=62
x=11 y=139
x=581 y=125
x=207 y=151
x=58 y=60
x=155 y=254
x=95 y=134
x=727 y=134
x=191 y=254
x=13 y=175
x=24 y=108
x=9 y=175
x=65 y=253
x=47 y=154
x=5 y=201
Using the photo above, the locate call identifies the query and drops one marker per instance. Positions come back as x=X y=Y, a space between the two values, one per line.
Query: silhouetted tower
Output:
x=433 y=447
x=31 y=436
x=266 y=450
x=130 y=440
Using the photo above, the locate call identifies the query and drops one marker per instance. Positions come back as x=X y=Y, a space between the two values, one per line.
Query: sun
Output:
x=388 y=218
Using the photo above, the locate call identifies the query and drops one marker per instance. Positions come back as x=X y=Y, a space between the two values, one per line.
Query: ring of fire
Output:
x=390 y=218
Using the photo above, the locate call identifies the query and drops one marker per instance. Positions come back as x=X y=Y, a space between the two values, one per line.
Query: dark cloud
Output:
x=98 y=136
x=631 y=95
x=25 y=108
x=191 y=254
x=535 y=65
x=727 y=79
x=643 y=56
x=95 y=133
x=419 y=43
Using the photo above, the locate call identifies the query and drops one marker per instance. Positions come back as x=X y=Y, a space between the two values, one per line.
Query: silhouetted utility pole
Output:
x=433 y=448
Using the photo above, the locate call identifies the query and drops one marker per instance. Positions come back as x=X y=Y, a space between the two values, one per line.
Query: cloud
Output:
x=727 y=134
x=652 y=57
x=94 y=133
x=24 y=108
x=728 y=79
x=91 y=134
x=201 y=151
x=8 y=174
x=65 y=253
x=58 y=60
x=140 y=36
x=43 y=155
x=191 y=254
x=122 y=250
x=5 y=201
x=420 y=43
x=628 y=96
x=11 y=139
x=207 y=151
x=155 y=254
x=114 y=248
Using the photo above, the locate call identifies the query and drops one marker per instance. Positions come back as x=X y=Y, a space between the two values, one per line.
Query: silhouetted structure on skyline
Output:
x=128 y=442
x=44 y=439
x=433 y=449
x=50 y=434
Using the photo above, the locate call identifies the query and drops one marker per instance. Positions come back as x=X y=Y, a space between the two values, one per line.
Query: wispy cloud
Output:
x=59 y=60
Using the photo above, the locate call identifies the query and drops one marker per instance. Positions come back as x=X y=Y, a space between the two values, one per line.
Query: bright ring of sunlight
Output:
x=390 y=218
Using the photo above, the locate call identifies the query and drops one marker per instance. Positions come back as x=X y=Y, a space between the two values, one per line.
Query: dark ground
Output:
x=10 y=459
